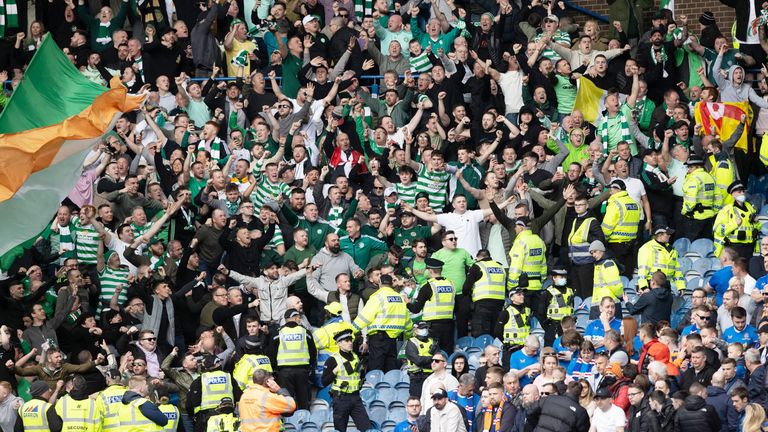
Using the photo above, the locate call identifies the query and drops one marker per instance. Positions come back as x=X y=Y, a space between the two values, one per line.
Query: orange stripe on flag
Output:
x=24 y=153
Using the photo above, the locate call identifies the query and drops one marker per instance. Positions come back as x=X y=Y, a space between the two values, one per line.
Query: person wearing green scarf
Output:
x=100 y=28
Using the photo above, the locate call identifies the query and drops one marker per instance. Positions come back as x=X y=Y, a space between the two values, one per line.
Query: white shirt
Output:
x=636 y=191
x=511 y=84
x=609 y=421
x=119 y=247
x=466 y=228
x=448 y=381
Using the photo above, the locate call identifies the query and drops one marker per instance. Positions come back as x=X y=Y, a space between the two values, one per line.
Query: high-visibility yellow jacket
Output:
x=386 y=312
x=622 y=215
x=654 y=256
x=699 y=195
x=735 y=224
x=527 y=256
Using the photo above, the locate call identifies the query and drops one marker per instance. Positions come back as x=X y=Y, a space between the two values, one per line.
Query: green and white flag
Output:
x=667 y=4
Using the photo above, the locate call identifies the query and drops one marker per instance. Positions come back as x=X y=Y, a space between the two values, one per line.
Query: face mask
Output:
x=560 y=281
x=741 y=198
x=421 y=333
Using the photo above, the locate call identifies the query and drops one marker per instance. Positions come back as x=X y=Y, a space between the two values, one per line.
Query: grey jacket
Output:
x=205 y=49
x=273 y=294
x=332 y=265
x=729 y=92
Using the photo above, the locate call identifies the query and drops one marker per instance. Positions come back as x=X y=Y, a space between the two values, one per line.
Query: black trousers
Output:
x=442 y=332
x=295 y=379
x=626 y=255
x=463 y=312
x=697 y=228
x=485 y=315
x=744 y=250
x=506 y=352
x=582 y=279
x=346 y=405
x=416 y=382
x=551 y=331
x=532 y=299
x=382 y=352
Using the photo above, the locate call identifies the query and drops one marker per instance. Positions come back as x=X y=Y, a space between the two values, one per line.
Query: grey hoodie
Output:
x=332 y=265
x=730 y=92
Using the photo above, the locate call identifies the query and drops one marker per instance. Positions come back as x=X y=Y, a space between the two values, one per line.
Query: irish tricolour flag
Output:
x=52 y=120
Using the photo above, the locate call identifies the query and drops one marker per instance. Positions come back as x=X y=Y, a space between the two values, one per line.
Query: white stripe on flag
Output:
x=11 y=9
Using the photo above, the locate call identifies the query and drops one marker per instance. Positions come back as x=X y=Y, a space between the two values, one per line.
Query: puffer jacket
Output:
x=558 y=414
x=696 y=416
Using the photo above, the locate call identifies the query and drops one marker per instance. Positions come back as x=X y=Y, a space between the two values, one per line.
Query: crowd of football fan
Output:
x=321 y=192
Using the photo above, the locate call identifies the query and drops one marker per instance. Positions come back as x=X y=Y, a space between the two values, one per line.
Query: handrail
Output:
x=586 y=11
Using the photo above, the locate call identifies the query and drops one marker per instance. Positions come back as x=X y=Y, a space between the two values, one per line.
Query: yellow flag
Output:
x=724 y=117
x=590 y=99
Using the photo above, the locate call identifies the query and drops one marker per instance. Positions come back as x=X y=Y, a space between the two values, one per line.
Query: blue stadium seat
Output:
x=702 y=266
x=298 y=418
x=397 y=415
x=685 y=264
x=483 y=341
x=368 y=394
x=374 y=376
x=757 y=200
x=681 y=245
x=320 y=416
x=318 y=404
x=474 y=350
x=393 y=377
x=402 y=385
x=383 y=385
x=325 y=395
x=464 y=342
x=403 y=394
x=378 y=403
x=327 y=427
x=715 y=264
x=703 y=247
x=289 y=427
x=377 y=414
x=387 y=395
x=397 y=404
x=388 y=426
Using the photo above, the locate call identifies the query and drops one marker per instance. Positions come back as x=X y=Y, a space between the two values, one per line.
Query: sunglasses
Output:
x=438 y=361
x=149 y=339
x=451 y=239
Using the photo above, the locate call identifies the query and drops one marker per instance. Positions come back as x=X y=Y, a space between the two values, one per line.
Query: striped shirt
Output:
x=267 y=191
x=406 y=193
x=335 y=216
x=277 y=239
x=110 y=279
x=560 y=37
x=434 y=184
x=86 y=241
x=420 y=63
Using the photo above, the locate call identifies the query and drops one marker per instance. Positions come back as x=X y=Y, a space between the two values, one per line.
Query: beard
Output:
x=334 y=249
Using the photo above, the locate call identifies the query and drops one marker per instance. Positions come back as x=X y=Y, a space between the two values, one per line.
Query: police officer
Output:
x=736 y=224
x=658 y=255
x=224 y=420
x=253 y=359
x=137 y=413
x=435 y=301
x=386 y=317
x=581 y=233
x=110 y=400
x=485 y=284
x=342 y=373
x=514 y=323
x=170 y=411
x=607 y=280
x=528 y=256
x=207 y=390
x=698 y=201
x=37 y=414
x=620 y=225
x=294 y=352
x=335 y=323
x=78 y=412
x=556 y=304
x=418 y=352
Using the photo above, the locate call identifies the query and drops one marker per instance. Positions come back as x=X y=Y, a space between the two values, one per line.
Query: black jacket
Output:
x=642 y=419
x=757 y=386
x=653 y=306
x=558 y=414
x=696 y=416
x=508 y=415
x=704 y=377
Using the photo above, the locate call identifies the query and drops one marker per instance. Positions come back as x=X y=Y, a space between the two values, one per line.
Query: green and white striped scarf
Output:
x=9 y=16
x=625 y=135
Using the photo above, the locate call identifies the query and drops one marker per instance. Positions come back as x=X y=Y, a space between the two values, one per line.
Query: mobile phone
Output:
x=559 y=170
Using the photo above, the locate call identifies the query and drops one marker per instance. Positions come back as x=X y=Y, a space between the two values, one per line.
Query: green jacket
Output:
x=94 y=25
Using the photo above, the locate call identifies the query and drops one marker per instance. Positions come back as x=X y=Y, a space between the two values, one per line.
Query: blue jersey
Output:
x=519 y=361
x=747 y=337
x=719 y=282
x=468 y=403
x=595 y=331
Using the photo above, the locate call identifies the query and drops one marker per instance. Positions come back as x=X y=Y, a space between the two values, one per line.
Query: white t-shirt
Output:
x=511 y=84
x=119 y=247
x=466 y=228
x=609 y=421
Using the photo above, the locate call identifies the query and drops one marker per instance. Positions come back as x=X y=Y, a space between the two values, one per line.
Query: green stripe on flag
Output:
x=59 y=91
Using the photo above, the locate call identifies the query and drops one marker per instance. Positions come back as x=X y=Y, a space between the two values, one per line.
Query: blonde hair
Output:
x=754 y=416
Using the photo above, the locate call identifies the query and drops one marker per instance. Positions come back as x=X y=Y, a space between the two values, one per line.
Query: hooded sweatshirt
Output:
x=731 y=92
x=148 y=409
x=653 y=306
